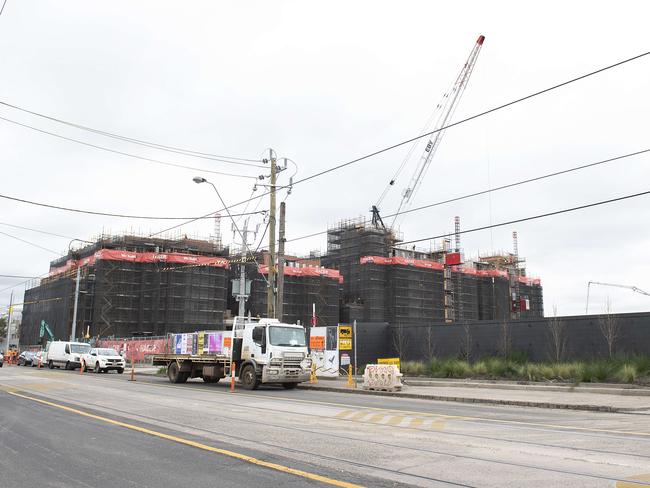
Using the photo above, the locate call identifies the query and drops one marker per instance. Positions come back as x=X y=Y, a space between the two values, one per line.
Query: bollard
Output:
x=82 y=365
x=232 y=377
x=39 y=361
x=350 y=379
x=132 y=375
x=313 y=379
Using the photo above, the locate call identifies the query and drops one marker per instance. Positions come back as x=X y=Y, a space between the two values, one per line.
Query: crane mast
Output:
x=449 y=105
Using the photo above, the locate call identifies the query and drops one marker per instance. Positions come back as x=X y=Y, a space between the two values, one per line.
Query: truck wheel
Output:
x=248 y=377
x=67 y=365
x=97 y=369
x=120 y=370
x=174 y=374
x=211 y=379
x=289 y=386
x=50 y=364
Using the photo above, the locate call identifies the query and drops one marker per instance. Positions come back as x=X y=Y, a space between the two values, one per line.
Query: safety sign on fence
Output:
x=345 y=338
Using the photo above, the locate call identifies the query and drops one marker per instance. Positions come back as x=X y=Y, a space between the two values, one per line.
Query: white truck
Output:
x=261 y=351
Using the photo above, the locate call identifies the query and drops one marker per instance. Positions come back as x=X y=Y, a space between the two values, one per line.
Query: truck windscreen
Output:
x=287 y=336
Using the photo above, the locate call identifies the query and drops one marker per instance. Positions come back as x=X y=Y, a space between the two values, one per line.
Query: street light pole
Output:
x=11 y=308
x=242 y=296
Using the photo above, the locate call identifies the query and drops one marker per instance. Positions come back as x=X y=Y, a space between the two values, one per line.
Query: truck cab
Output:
x=269 y=351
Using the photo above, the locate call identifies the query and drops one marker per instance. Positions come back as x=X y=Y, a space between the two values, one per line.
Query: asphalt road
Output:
x=365 y=440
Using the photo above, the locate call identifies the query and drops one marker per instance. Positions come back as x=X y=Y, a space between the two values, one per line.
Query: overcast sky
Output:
x=323 y=83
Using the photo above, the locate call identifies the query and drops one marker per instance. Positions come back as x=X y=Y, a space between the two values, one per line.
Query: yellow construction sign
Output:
x=345 y=338
x=394 y=361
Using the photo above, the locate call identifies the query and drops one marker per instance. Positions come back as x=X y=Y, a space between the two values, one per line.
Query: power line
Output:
x=534 y=217
x=107 y=214
x=115 y=151
x=43 y=232
x=498 y=188
x=24 y=282
x=177 y=150
x=30 y=243
x=427 y=134
x=18 y=277
x=3 y=7
x=472 y=117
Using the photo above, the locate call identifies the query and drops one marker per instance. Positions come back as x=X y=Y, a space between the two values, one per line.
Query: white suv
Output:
x=102 y=360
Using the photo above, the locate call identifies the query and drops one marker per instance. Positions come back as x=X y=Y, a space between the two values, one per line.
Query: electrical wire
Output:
x=24 y=282
x=408 y=141
x=3 y=7
x=18 y=277
x=498 y=188
x=43 y=232
x=107 y=214
x=534 y=217
x=30 y=243
x=177 y=150
x=115 y=151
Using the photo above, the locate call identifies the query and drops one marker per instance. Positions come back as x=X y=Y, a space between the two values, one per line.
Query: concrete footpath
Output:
x=594 y=397
x=602 y=398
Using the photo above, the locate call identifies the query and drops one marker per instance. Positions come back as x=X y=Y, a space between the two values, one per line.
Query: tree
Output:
x=505 y=339
x=429 y=343
x=3 y=327
x=466 y=342
x=609 y=328
x=557 y=337
x=400 y=341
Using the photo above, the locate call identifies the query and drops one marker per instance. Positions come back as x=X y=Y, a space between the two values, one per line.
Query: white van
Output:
x=66 y=354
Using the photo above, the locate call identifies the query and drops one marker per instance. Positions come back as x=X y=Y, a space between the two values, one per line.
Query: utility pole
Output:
x=279 y=309
x=270 y=298
x=241 y=297
x=73 y=335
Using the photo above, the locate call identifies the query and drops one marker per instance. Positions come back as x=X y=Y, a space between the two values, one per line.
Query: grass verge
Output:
x=628 y=369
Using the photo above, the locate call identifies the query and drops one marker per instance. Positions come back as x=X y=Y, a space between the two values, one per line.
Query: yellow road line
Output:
x=415 y=423
x=378 y=417
x=397 y=419
x=358 y=416
x=198 y=445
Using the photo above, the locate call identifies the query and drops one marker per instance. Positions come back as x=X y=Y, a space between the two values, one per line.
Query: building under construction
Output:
x=383 y=282
x=311 y=294
x=129 y=285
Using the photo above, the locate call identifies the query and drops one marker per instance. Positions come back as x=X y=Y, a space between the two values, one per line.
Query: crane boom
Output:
x=616 y=285
x=450 y=104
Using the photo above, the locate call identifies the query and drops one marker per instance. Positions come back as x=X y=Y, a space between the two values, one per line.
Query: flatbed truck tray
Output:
x=181 y=367
x=163 y=359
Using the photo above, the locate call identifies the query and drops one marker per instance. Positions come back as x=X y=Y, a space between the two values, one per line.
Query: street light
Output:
x=241 y=297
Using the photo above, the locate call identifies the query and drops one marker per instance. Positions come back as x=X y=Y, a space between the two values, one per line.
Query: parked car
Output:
x=66 y=354
x=104 y=360
x=25 y=358
x=2 y=359
x=39 y=357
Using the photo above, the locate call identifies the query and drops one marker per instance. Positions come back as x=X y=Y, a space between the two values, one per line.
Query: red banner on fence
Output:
x=136 y=349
